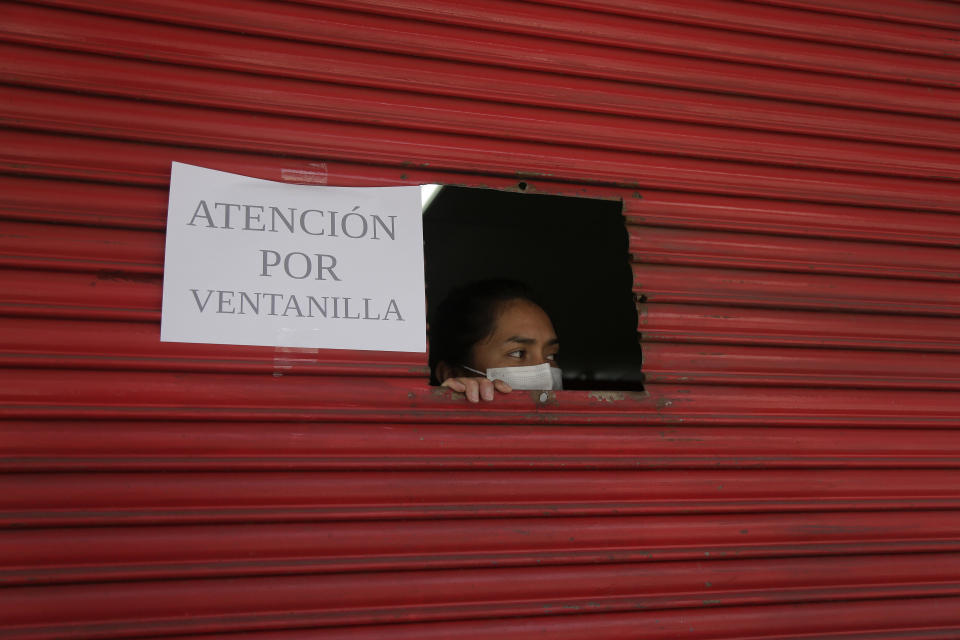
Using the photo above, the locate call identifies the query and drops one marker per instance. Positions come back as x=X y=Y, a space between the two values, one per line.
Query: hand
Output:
x=476 y=388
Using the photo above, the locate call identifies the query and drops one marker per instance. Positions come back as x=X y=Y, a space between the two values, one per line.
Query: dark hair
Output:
x=467 y=316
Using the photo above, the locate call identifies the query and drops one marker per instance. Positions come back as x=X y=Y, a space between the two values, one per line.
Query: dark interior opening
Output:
x=572 y=251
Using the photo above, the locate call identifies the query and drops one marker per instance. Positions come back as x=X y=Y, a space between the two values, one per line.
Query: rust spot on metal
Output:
x=532 y=174
x=445 y=393
x=607 y=396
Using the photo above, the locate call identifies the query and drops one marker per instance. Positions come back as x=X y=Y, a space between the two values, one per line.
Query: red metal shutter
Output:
x=789 y=171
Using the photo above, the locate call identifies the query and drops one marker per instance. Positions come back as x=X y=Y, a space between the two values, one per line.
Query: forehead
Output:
x=522 y=318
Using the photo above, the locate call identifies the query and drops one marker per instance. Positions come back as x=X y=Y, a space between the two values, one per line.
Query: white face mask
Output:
x=538 y=377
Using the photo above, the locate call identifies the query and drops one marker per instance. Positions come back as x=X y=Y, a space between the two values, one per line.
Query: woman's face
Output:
x=523 y=335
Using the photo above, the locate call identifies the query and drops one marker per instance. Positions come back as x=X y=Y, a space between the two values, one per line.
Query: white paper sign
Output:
x=257 y=262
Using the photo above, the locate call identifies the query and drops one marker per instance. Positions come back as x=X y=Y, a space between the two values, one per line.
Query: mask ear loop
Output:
x=471 y=369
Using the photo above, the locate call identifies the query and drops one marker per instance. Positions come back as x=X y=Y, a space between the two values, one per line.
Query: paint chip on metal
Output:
x=306 y=176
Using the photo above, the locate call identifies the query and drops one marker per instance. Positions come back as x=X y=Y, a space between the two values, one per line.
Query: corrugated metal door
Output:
x=789 y=173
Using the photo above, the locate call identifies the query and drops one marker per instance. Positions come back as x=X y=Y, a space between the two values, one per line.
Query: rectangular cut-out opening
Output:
x=572 y=252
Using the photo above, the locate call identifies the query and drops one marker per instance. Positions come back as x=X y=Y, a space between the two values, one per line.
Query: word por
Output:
x=298 y=265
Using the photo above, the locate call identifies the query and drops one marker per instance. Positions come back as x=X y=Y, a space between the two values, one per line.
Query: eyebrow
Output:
x=524 y=340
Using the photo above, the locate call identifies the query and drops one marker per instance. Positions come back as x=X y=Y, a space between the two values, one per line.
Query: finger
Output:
x=486 y=389
x=473 y=389
x=502 y=386
x=453 y=383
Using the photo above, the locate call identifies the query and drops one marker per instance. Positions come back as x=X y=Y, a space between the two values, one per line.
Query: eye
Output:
x=553 y=357
x=515 y=354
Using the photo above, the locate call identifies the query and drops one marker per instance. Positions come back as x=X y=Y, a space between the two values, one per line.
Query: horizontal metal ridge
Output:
x=177 y=606
x=227 y=90
x=118 y=395
x=447 y=42
x=85 y=499
x=778 y=308
x=127 y=164
x=708 y=248
x=791 y=366
x=785 y=290
x=237 y=131
x=281 y=61
x=137 y=552
x=67 y=202
x=80 y=248
x=58 y=343
x=923 y=618
x=63 y=201
x=43 y=157
x=105 y=294
x=798 y=219
x=150 y=445
x=793 y=21
x=69 y=444
x=724 y=324
x=914 y=12
x=665 y=37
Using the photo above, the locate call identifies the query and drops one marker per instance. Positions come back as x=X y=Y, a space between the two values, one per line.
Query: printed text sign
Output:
x=257 y=262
